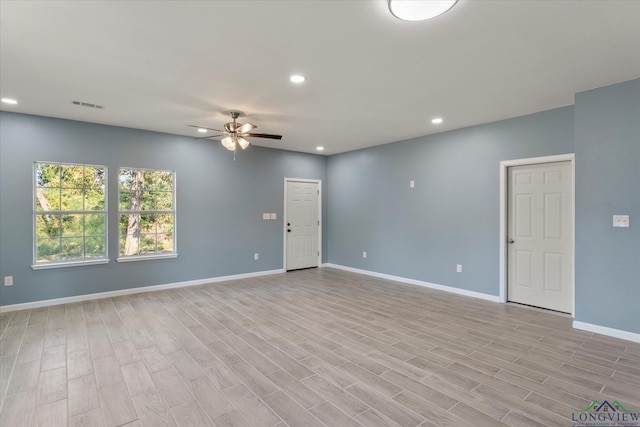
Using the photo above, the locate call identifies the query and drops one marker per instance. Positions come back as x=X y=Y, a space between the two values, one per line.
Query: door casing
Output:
x=284 y=219
x=504 y=165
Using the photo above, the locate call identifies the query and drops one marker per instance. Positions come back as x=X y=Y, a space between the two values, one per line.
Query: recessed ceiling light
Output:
x=319 y=148
x=419 y=10
x=9 y=101
x=437 y=120
x=202 y=130
x=297 y=78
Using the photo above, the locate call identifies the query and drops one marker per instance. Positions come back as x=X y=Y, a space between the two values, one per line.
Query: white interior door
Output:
x=302 y=224
x=540 y=236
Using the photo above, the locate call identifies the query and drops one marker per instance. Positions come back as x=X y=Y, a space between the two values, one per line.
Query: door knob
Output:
x=511 y=241
x=288 y=231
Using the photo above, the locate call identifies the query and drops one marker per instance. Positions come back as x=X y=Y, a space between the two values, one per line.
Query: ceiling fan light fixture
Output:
x=229 y=143
x=243 y=142
x=419 y=10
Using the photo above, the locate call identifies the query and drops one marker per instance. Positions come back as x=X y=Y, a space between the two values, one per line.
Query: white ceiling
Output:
x=372 y=79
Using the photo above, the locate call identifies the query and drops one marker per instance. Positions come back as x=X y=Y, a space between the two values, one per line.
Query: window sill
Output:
x=146 y=257
x=69 y=264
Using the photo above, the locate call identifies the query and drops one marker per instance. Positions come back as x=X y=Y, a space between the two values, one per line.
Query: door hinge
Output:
x=318 y=222
x=318 y=192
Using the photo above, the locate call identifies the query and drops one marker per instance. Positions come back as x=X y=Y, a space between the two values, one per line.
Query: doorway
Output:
x=537 y=243
x=302 y=220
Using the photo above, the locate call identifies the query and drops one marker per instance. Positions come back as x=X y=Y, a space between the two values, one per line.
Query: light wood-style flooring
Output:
x=318 y=347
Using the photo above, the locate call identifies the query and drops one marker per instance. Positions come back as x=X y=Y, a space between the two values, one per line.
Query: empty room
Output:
x=320 y=213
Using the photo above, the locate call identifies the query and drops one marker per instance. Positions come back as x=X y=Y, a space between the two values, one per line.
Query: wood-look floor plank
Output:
x=82 y=395
x=151 y=409
x=292 y=413
x=190 y=414
x=252 y=408
x=116 y=404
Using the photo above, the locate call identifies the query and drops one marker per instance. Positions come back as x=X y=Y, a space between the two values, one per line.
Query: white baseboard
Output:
x=603 y=330
x=479 y=295
x=109 y=294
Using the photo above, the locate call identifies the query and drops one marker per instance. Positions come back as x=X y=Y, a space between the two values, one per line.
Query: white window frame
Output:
x=75 y=262
x=144 y=257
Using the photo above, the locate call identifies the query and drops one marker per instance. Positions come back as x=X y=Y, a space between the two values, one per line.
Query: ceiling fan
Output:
x=236 y=133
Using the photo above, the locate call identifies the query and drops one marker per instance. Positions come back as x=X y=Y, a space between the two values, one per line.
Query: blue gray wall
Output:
x=451 y=216
x=220 y=204
x=607 y=146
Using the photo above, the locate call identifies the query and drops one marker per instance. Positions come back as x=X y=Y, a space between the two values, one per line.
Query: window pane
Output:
x=123 y=224
x=125 y=200
x=148 y=201
x=47 y=175
x=94 y=178
x=147 y=243
x=165 y=223
x=94 y=200
x=48 y=226
x=130 y=245
x=72 y=199
x=72 y=176
x=72 y=225
x=72 y=248
x=94 y=247
x=164 y=201
x=124 y=179
x=150 y=179
x=48 y=199
x=148 y=223
x=165 y=242
x=94 y=225
x=47 y=250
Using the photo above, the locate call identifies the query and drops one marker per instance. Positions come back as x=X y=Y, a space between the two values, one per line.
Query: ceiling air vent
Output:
x=88 y=105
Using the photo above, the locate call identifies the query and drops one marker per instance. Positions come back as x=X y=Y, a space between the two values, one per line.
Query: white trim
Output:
x=69 y=264
x=450 y=289
x=146 y=257
x=603 y=330
x=284 y=219
x=504 y=165
x=110 y=294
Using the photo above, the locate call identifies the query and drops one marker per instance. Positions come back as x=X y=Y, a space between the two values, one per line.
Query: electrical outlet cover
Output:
x=621 y=221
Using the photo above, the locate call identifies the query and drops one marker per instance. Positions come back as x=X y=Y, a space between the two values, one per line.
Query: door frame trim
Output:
x=284 y=219
x=504 y=165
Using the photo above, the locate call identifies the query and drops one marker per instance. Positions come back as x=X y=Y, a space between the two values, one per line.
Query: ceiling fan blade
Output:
x=210 y=136
x=262 y=135
x=202 y=127
x=246 y=128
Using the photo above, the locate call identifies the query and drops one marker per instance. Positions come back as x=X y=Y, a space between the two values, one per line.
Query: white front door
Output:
x=540 y=236
x=302 y=224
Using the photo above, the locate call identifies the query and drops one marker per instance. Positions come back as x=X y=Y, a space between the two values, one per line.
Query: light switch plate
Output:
x=274 y=216
x=266 y=216
x=621 y=220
